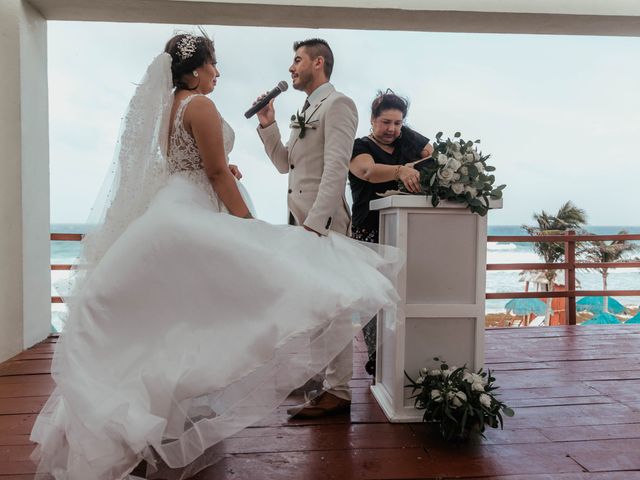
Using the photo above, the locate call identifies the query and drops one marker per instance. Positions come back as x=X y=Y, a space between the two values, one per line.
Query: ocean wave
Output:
x=495 y=246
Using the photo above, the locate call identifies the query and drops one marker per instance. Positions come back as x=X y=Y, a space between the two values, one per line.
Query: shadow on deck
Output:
x=576 y=392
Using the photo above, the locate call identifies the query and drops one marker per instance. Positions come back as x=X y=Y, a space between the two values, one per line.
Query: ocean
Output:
x=497 y=281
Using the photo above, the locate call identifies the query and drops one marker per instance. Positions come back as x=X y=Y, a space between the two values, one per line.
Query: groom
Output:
x=316 y=157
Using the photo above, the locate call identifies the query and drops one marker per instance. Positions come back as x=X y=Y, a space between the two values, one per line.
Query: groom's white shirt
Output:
x=317 y=164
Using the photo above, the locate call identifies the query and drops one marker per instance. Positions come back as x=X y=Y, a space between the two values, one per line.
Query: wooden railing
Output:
x=570 y=265
x=63 y=237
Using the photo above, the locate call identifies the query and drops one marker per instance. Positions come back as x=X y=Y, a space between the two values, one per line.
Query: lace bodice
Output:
x=183 y=151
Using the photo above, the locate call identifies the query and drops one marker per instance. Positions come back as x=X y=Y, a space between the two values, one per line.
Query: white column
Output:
x=24 y=179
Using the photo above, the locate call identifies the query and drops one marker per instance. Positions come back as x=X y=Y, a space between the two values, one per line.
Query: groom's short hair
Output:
x=317 y=47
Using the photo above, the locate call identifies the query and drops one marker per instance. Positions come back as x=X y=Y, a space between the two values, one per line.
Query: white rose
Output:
x=457 y=188
x=449 y=371
x=457 y=155
x=455 y=147
x=436 y=395
x=470 y=377
x=445 y=175
x=453 y=164
x=442 y=159
x=434 y=373
x=479 y=166
x=464 y=170
x=456 y=177
x=469 y=158
x=485 y=400
x=471 y=190
x=457 y=398
x=420 y=380
x=423 y=371
x=477 y=387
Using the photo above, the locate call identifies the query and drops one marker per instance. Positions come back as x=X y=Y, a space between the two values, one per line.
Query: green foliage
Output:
x=459 y=402
x=569 y=217
x=458 y=173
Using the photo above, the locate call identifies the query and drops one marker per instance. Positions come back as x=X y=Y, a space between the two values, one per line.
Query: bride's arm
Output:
x=203 y=120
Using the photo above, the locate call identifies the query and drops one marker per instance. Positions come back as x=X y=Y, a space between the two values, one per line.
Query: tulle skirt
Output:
x=194 y=325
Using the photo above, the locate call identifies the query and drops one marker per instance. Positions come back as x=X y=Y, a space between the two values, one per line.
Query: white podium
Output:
x=442 y=290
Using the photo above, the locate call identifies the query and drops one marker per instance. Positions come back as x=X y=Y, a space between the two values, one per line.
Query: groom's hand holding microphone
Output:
x=267 y=115
x=263 y=106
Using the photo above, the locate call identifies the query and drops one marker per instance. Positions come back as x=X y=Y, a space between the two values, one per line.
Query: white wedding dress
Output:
x=196 y=324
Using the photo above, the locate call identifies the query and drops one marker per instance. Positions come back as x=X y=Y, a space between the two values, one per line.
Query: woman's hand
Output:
x=410 y=177
x=235 y=171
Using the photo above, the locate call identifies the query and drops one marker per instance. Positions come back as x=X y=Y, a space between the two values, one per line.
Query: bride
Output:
x=190 y=320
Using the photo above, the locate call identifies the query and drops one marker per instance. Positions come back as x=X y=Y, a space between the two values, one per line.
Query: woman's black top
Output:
x=407 y=148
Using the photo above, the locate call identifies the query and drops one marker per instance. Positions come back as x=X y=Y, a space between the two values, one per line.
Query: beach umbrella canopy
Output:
x=525 y=306
x=634 y=319
x=596 y=305
x=601 y=319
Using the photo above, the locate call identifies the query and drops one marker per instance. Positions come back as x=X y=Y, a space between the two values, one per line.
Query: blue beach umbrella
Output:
x=596 y=305
x=526 y=306
x=602 y=319
x=634 y=319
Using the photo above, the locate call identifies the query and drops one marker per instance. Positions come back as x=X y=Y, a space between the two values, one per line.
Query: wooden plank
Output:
x=409 y=463
x=592 y=432
x=16 y=467
x=25 y=367
x=16 y=424
x=8 y=390
x=38 y=379
x=11 y=439
x=325 y=437
x=564 y=476
x=21 y=405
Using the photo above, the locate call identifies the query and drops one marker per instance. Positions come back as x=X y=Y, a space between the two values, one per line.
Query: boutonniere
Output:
x=300 y=121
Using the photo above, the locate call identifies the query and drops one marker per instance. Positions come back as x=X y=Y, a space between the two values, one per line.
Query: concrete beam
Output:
x=572 y=17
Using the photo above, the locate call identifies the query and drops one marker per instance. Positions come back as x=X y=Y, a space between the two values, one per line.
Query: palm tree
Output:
x=569 y=217
x=598 y=251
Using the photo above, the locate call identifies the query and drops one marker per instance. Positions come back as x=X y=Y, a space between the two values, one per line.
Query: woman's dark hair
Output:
x=203 y=52
x=389 y=101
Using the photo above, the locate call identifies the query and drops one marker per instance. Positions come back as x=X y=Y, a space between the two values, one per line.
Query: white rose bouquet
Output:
x=460 y=402
x=458 y=172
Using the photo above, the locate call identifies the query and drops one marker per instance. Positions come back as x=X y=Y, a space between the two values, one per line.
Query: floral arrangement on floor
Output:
x=457 y=172
x=461 y=403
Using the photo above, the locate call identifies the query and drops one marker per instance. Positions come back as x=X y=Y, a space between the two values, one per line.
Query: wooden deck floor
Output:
x=576 y=392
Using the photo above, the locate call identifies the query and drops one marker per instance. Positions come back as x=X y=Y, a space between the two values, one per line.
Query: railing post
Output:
x=570 y=277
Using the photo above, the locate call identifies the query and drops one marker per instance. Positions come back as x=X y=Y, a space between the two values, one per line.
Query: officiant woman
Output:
x=379 y=161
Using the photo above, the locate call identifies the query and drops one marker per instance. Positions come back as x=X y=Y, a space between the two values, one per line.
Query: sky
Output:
x=560 y=115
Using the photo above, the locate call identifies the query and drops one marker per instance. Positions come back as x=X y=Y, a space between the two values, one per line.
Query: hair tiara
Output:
x=186 y=46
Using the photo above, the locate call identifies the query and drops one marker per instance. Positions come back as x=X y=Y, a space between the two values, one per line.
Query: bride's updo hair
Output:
x=188 y=52
x=389 y=101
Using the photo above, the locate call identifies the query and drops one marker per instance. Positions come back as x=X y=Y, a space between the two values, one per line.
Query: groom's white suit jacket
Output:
x=317 y=164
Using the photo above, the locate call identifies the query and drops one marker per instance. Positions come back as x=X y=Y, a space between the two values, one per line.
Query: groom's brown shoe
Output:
x=320 y=406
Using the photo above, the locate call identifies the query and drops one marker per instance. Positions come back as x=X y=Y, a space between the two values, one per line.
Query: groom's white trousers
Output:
x=338 y=372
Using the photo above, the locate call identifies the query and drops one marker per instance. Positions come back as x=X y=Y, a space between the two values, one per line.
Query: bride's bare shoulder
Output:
x=201 y=108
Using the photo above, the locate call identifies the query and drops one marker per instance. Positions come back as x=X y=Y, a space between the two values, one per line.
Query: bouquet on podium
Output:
x=457 y=172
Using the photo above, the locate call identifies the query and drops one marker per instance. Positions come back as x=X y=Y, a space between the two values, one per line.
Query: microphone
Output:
x=281 y=87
